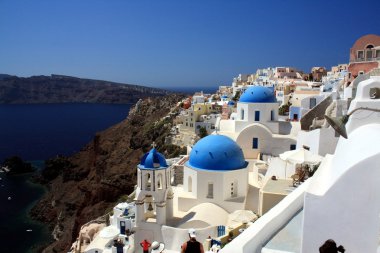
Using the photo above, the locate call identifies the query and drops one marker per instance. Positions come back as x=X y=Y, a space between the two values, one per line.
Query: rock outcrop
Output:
x=88 y=184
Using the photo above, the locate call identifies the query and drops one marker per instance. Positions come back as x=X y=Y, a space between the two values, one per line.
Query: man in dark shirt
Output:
x=192 y=245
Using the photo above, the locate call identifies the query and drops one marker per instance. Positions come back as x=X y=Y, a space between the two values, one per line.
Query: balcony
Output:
x=365 y=60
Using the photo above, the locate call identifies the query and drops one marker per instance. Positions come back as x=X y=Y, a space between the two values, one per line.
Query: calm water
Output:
x=38 y=132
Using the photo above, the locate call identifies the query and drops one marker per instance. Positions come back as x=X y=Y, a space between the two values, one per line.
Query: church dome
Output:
x=153 y=160
x=258 y=94
x=216 y=152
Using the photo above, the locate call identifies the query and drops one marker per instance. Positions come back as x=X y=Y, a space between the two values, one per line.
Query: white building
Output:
x=340 y=202
x=256 y=127
x=154 y=196
x=216 y=173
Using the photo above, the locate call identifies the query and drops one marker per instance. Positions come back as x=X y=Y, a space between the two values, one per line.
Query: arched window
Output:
x=147 y=182
x=159 y=182
x=242 y=114
x=368 y=52
x=210 y=190
x=190 y=184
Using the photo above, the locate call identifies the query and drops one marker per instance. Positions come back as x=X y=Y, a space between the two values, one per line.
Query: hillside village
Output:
x=272 y=162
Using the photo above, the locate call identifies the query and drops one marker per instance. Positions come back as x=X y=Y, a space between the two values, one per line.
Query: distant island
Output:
x=67 y=89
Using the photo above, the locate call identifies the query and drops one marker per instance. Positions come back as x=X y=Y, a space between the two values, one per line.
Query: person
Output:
x=157 y=247
x=192 y=245
x=330 y=247
x=145 y=245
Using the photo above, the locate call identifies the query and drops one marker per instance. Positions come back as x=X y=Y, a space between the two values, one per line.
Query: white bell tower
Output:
x=154 y=195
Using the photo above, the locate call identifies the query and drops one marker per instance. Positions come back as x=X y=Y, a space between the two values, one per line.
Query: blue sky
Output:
x=177 y=42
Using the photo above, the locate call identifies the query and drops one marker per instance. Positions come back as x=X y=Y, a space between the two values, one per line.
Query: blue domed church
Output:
x=255 y=126
x=216 y=172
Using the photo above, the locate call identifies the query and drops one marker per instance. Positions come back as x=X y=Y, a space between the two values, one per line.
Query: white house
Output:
x=256 y=127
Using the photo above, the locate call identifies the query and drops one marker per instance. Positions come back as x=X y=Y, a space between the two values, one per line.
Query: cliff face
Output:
x=88 y=184
x=66 y=89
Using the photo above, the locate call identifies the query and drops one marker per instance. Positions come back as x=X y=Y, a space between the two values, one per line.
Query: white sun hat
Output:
x=192 y=233
x=157 y=247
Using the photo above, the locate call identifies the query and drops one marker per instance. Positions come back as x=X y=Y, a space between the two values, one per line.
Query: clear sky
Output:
x=178 y=42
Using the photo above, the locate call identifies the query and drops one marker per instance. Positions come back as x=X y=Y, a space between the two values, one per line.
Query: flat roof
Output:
x=279 y=186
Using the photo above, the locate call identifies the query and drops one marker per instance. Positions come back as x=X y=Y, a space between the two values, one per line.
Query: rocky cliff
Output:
x=88 y=184
x=66 y=89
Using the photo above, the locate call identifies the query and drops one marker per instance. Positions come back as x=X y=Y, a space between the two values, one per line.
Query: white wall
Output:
x=258 y=234
x=349 y=190
x=321 y=141
x=193 y=174
x=221 y=188
x=267 y=143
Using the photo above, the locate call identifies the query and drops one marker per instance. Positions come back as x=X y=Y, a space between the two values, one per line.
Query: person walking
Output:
x=145 y=245
x=192 y=245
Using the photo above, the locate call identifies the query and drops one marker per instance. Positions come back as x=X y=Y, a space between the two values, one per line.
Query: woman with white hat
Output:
x=157 y=247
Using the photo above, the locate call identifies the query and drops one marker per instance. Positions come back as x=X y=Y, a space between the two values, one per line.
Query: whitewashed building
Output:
x=256 y=127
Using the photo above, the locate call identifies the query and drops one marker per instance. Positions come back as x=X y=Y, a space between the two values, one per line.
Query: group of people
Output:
x=190 y=246
x=193 y=246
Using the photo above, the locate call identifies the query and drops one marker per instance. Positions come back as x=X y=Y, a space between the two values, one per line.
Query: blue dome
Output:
x=224 y=96
x=231 y=102
x=258 y=94
x=153 y=160
x=216 y=152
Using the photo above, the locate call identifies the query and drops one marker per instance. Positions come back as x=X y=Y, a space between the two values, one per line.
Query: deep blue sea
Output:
x=39 y=132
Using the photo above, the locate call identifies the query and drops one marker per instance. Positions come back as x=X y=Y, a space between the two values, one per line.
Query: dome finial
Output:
x=154 y=144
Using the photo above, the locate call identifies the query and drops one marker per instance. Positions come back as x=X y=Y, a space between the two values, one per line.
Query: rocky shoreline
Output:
x=88 y=184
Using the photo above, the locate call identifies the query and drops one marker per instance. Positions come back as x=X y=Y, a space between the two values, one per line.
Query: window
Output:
x=377 y=54
x=147 y=182
x=292 y=146
x=187 y=124
x=361 y=54
x=190 y=184
x=242 y=114
x=159 y=181
x=255 y=143
x=272 y=115
x=369 y=54
x=234 y=189
x=257 y=115
x=313 y=102
x=210 y=192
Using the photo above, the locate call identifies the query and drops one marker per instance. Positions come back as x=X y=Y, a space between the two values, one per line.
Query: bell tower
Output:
x=153 y=195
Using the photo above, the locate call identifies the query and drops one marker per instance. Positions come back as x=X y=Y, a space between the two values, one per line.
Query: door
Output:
x=122 y=227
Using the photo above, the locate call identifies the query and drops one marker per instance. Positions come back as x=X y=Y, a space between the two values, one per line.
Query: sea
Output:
x=37 y=132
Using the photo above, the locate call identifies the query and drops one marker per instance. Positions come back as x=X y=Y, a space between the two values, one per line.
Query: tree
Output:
x=202 y=132
x=237 y=96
